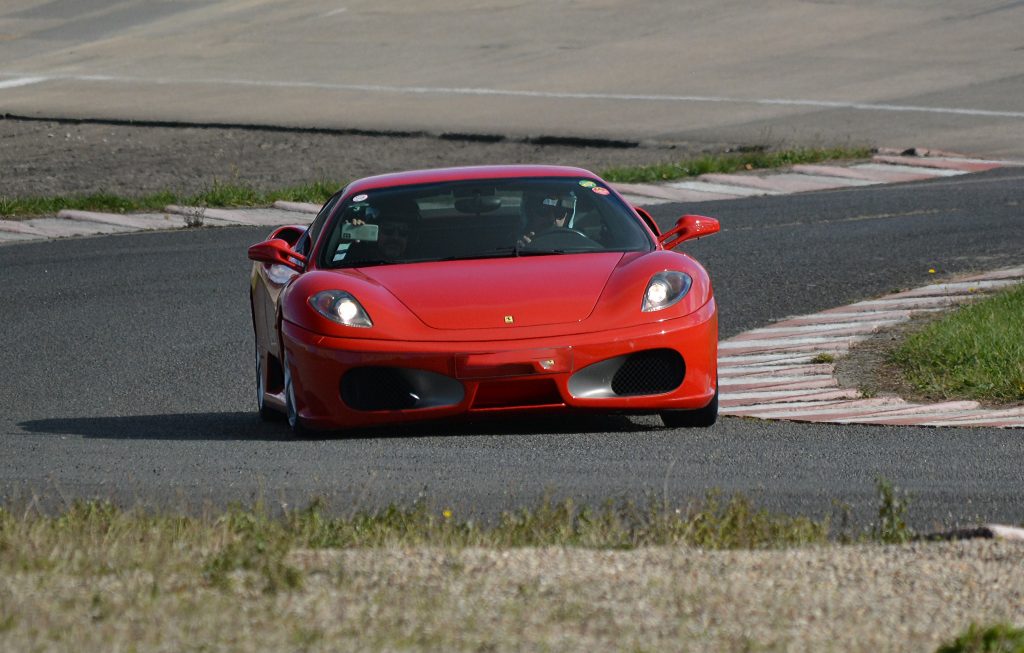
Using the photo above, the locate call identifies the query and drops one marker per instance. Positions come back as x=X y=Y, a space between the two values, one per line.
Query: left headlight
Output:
x=665 y=289
x=341 y=307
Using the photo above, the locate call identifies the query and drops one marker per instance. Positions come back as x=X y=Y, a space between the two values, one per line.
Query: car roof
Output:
x=414 y=177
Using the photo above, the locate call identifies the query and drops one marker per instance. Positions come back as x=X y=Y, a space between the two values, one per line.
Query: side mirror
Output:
x=689 y=227
x=649 y=219
x=277 y=252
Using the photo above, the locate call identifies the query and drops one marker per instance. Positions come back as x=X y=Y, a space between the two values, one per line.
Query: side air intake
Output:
x=651 y=372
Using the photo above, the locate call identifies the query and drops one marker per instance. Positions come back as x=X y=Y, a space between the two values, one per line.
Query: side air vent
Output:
x=398 y=388
x=651 y=372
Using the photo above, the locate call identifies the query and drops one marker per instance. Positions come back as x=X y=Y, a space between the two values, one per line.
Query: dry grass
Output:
x=718 y=575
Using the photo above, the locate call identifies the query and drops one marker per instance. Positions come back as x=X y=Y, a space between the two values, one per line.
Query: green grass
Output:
x=237 y=195
x=732 y=162
x=251 y=539
x=218 y=195
x=976 y=352
x=94 y=537
x=1000 y=638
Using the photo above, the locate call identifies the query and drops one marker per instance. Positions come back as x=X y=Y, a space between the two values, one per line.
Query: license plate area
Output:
x=523 y=362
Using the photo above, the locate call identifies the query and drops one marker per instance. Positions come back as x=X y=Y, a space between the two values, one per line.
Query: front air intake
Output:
x=398 y=388
x=651 y=372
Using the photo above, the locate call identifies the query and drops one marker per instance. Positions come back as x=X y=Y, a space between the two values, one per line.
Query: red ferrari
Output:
x=482 y=290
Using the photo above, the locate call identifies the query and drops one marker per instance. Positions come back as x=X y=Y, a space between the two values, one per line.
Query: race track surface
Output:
x=128 y=377
x=810 y=72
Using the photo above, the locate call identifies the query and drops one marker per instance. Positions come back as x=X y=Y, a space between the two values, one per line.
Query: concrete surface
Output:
x=945 y=72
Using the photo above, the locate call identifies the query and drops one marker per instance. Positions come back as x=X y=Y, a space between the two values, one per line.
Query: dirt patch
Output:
x=866 y=366
x=40 y=158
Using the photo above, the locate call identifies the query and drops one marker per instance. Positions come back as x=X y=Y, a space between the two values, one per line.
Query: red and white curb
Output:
x=779 y=372
x=886 y=167
x=87 y=223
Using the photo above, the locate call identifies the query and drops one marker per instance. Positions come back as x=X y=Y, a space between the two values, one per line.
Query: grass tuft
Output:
x=999 y=638
x=891 y=527
x=219 y=195
x=252 y=542
x=976 y=352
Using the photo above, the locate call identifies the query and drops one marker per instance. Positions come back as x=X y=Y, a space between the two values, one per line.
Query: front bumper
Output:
x=350 y=382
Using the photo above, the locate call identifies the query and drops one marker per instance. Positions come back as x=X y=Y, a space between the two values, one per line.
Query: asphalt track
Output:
x=127 y=375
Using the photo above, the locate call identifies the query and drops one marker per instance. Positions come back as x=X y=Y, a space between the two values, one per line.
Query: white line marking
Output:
x=334 y=13
x=747 y=359
x=766 y=381
x=748 y=370
x=22 y=81
x=765 y=395
x=784 y=342
x=456 y=90
x=914 y=170
x=722 y=189
x=867 y=325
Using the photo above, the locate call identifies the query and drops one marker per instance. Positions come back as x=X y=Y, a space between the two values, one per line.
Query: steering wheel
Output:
x=558 y=237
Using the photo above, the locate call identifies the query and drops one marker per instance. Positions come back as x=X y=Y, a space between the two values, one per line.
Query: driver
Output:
x=554 y=212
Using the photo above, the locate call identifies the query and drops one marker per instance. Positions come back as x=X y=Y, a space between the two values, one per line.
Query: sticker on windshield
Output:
x=600 y=190
x=586 y=183
x=360 y=198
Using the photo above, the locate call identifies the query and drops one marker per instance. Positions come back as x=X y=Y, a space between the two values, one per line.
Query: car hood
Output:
x=489 y=293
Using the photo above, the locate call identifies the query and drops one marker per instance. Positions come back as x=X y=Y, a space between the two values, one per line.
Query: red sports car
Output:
x=482 y=290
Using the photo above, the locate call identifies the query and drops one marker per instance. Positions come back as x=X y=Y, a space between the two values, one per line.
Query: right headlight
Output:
x=341 y=307
x=665 y=289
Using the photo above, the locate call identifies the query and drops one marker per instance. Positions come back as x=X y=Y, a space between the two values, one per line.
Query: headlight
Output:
x=665 y=289
x=341 y=307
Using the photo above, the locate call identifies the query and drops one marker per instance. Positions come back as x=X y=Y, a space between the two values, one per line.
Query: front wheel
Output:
x=267 y=413
x=295 y=422
x=700 y=418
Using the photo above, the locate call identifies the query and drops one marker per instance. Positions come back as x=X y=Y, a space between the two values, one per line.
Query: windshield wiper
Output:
x=498 y=252
x=548 y=252
x=369 y=263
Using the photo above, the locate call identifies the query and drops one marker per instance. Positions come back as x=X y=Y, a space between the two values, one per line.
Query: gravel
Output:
x=853 y=598
x=42 y=158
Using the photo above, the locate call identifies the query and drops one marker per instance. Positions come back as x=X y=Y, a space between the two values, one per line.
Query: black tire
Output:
x=295 y=422
x=267 y=414
x=700 y=418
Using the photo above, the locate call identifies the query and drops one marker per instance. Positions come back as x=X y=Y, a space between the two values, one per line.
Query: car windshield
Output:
x=481 y=219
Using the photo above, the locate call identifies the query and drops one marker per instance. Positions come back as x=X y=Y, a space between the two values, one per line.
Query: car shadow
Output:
x=180 y=426
x=243 y=426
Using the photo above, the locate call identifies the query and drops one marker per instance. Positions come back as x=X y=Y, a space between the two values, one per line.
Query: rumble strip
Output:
x=775 y=372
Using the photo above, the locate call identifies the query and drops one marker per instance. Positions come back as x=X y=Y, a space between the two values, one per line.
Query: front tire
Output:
x=700 y=418
x=267 y=414
x=295 y=422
